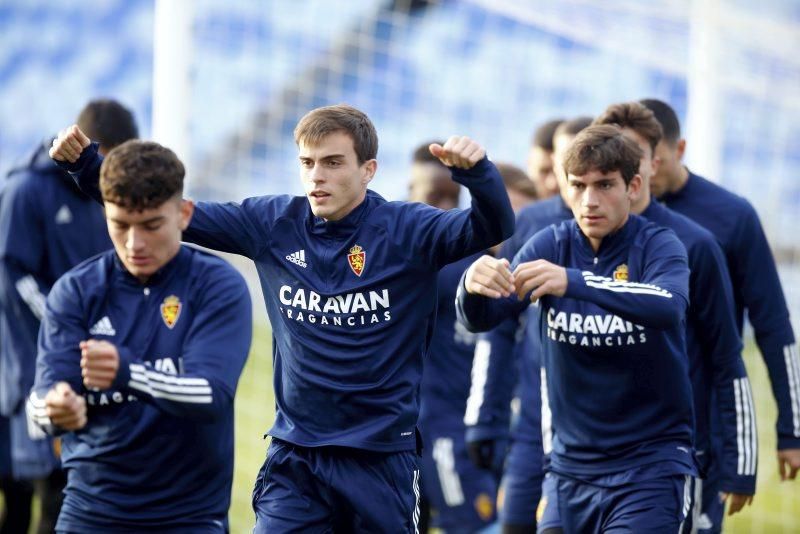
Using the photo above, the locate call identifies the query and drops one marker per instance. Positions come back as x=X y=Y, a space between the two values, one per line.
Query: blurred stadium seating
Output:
x=492 y=69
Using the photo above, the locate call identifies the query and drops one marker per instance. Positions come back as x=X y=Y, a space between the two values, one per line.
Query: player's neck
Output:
x=641 y=204
x=680 y=180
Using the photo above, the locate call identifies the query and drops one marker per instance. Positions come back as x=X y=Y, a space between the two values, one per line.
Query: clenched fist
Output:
x=69 y=144
x=459 y=151
x=65 y=408
x=490 y=277
x=99 y=363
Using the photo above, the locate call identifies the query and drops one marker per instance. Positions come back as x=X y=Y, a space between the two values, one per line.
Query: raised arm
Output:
x=228 y=227
x=440 y=237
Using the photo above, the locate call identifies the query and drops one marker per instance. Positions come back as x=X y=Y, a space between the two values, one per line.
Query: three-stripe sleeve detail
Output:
x=174 y=388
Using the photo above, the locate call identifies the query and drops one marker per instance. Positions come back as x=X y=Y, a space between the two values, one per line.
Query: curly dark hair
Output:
x=140 y=175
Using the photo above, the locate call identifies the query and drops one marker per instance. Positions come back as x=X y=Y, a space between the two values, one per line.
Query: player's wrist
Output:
x=123 y=377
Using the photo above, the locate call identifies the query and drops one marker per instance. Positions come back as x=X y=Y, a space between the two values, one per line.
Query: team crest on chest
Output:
x=357 y=258
x=621 y=273
x=171 y=310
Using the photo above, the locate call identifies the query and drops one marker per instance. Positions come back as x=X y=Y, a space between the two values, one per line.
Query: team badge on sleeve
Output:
x=621 y=273
x=171 y=310
x=357 y=258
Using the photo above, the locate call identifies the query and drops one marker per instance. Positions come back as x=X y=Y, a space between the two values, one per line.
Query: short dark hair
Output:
x=140 y=175
x=516 y=179
x=422 y=154
x=108 y=122
x=573 y=126
x=603 y=148
x=667 y=117
x=321 y=122
x=635 y=116
x=543 y=136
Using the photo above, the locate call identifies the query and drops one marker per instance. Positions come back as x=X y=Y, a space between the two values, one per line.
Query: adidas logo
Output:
x=103 y=327
x=298 y=258
x=63 y=215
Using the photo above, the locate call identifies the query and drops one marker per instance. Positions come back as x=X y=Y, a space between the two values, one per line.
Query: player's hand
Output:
x=736 y=501
x=788 y=463
x=69 y=144
x=541 y=277
x=99 y=363
x=65 y=408
x=458 y=151
x=490 y=277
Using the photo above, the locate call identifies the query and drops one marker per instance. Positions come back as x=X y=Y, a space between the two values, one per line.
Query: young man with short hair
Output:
x=349 y=281
x=756 y=289
x=612 y=290
x=47 y=226
x=509 y=355
x=139 y=358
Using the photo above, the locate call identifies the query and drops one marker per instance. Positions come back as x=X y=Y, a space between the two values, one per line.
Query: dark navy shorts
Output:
x=656 y=505
x=336 y=489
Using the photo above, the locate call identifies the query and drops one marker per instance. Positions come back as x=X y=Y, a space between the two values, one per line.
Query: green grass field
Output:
x=776 y=508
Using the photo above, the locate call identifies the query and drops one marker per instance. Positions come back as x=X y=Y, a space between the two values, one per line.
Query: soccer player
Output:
x=456 y=495
x=612 y=290
x=755 y=282
x=540 y=159
x=712 y=340
x=349 y=282
x=510 y=355
x=139 y=357
x=47 y=226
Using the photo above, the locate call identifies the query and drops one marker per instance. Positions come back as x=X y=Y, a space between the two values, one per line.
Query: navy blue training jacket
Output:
x=756 y=288
x=47 y=226
x=351 y=302
x=613 y=348
x=157 y=451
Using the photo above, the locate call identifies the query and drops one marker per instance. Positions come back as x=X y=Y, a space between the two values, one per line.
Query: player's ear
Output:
x=368 y=171
x=187 y=210
x=634 y=187
x=681 y=148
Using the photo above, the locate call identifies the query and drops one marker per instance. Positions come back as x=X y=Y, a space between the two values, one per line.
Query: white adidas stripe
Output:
x=603 y=282
x=589 y=275
x=547 y=416
x=446 y=469
x=170 y=379
x=415 y=515
x=158 y=385
x=145 y=388
x=480 y=369
x=626 y=289
x=28 y=290
x=753 y=428
x=36 y=410
x=793 y=374
x=167 y=388
x=746 y=437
